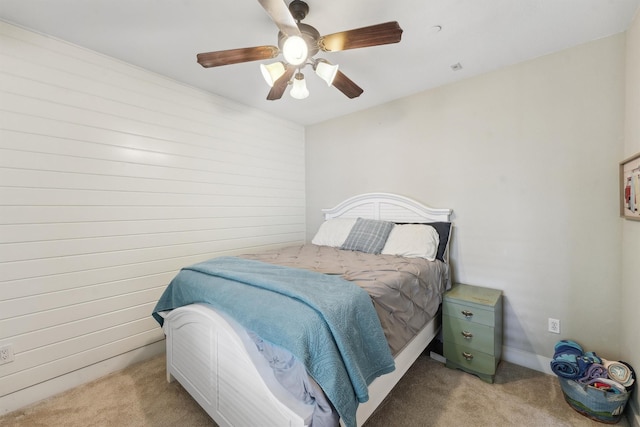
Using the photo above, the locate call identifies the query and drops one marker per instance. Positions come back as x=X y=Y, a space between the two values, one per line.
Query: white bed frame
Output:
x=215 y=361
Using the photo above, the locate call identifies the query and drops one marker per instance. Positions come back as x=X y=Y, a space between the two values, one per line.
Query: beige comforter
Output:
x=406 y=292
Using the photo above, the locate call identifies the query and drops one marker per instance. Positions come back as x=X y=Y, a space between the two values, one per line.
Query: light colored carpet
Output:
x=429 y=395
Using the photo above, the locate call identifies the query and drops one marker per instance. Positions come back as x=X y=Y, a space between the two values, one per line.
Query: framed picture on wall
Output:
x=630 y=188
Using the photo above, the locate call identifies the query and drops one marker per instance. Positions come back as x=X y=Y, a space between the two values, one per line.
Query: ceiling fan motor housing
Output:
x=298 y=9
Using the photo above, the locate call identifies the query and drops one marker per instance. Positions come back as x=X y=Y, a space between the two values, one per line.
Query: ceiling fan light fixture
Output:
x=295 y=50
x=272 y=72
x=326 y=71
x=299 y=89
x=299 y=43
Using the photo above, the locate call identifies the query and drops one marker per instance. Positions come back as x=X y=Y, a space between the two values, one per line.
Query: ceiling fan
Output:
x=299 y=43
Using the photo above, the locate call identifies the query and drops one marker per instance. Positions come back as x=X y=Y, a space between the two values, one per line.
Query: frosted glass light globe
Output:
x=295 y=50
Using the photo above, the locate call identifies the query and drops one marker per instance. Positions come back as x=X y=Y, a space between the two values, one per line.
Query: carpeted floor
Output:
x=429 y=395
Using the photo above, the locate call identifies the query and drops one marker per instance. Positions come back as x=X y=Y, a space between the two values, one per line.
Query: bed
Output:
x=223 y=365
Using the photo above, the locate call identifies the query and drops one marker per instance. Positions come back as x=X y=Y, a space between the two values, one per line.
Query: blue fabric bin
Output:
x=599 y=405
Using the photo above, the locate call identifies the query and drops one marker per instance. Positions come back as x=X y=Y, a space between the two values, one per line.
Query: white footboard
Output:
x=217 y=363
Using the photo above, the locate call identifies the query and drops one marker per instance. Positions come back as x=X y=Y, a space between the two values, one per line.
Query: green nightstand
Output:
x=472 y=329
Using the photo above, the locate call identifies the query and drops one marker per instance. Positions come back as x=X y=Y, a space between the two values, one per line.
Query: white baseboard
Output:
x=633 y=412
x=438 y=357
x=528 y=360
x=38 y=392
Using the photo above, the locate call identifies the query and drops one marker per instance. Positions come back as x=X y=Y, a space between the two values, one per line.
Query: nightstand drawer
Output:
x=470 y=359
x=468 y=313
x=473 y=335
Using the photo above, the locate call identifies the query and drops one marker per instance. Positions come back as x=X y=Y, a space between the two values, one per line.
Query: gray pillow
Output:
x=368 y=235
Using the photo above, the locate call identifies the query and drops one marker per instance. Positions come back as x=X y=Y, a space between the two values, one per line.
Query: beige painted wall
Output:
x=527 y=158
x=630 y=301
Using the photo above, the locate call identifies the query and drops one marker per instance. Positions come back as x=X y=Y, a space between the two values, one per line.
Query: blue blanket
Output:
x=328 y=323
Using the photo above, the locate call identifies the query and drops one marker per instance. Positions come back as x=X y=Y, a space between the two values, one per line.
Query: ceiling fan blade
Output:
x=235 y=56
x=280 y=14
x=345 y=85
x=374 y=35
x=281 y=84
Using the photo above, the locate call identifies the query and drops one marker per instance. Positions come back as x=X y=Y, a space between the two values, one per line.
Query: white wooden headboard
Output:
x=388 y=207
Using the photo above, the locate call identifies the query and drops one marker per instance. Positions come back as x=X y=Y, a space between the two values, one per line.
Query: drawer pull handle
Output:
x=467 y=356
x=467 y=335
x=466 y=313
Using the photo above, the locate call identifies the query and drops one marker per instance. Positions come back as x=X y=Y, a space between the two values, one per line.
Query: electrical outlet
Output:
x=6 y=354
x=554 y=326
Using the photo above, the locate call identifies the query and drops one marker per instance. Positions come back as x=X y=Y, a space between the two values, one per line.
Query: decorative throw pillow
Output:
x=444 y=231
x=368 y=235
x=412 y=241
x=333 y=232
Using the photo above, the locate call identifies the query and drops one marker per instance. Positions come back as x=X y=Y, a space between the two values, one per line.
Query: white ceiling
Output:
x=164 y=36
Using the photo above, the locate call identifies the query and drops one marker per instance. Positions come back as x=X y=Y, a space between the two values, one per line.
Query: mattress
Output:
x=406 y=292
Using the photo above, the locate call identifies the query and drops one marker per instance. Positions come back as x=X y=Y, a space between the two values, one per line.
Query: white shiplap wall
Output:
x=111 y=179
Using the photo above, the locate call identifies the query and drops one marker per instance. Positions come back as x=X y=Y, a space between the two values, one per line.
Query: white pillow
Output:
x=413 y=241
x=334 y=232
